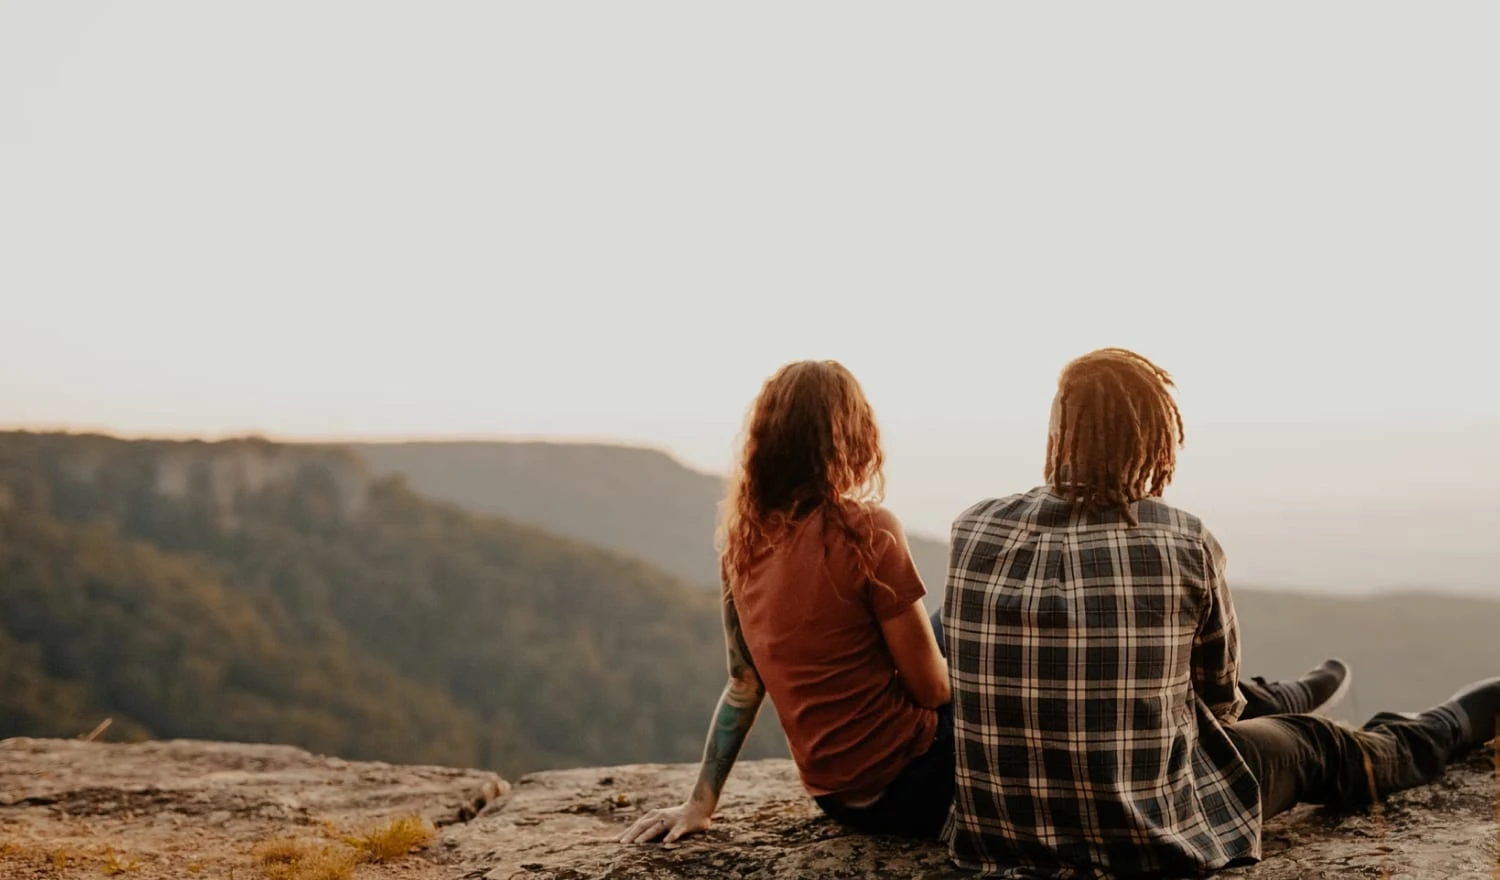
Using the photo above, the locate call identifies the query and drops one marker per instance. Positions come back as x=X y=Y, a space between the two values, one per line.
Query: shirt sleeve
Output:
x=897 y=584
x=1216 y=647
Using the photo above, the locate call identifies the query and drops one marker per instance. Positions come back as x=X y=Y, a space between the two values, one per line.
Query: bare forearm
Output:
x=733 y=718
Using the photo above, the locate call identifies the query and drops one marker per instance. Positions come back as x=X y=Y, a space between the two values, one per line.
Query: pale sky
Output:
x=599 y=220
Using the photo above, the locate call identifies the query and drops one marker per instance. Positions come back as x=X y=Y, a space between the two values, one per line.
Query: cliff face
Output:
x=179 y=808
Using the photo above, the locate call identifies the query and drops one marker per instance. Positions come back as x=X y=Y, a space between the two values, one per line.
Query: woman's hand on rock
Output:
x=674 y=822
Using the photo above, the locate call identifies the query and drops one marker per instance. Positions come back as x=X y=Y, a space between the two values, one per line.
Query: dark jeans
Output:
x=1307 y=759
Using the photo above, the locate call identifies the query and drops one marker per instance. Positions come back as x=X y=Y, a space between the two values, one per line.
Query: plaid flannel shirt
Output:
x=1092 y=665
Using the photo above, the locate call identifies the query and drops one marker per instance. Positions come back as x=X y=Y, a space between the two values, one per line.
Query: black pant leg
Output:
x=1285 y=763
x=916 y=803
x=1308 y=759
x=1408 y=752
x=1260 y=700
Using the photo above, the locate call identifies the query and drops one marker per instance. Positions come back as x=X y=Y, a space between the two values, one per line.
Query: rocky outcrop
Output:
x=181 y=809
x=561 y=826
x=216 y=475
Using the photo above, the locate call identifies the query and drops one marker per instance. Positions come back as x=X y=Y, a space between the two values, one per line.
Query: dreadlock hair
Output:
x=810 y=444
x=1116 y=430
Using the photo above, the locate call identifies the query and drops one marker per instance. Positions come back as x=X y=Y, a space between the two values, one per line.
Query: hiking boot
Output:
x=1326 y=685
x=1318 y=690
x=1479 y=704
x=1467 y=720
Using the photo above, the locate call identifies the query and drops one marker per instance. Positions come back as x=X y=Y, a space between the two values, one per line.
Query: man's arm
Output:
x=738 y=705
x=1216 y=647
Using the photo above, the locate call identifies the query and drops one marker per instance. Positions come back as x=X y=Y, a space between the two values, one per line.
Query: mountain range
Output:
x=512 y=606
x=641 y=502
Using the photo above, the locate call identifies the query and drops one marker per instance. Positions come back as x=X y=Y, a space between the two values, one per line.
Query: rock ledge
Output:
x=186 y=808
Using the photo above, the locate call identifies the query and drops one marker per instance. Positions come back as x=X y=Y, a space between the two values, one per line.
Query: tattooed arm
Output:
x=734 y=715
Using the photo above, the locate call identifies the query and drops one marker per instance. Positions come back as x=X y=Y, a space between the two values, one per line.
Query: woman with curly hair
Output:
x=821 y=591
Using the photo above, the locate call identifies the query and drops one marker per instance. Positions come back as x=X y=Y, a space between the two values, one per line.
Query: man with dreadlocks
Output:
x=1100 y=724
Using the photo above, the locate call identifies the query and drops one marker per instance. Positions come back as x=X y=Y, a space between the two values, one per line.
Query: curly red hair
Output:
x=811 y=444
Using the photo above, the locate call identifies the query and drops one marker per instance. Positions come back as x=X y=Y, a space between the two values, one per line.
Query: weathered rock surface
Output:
x=182 y=809
x=197 y=809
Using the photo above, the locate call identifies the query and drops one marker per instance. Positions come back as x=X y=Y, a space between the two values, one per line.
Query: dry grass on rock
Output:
x=394 y=839
x=291 y=858
x=294 y=859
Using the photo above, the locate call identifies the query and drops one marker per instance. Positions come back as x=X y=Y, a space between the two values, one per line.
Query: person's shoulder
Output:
x=1006 y=508
x=1179 y=522
x=880 y=519
x=867 y=515
x=1156 y=512
x=883 y=517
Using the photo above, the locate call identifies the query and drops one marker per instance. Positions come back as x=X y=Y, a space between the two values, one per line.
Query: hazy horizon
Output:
x=1306 y=522
x=363 y=219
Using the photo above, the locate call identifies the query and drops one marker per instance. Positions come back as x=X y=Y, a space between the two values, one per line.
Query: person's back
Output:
x=1075 y=638
x=811 y=619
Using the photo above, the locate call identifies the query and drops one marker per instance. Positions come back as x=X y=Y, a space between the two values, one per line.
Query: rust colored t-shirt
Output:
x=812 y=624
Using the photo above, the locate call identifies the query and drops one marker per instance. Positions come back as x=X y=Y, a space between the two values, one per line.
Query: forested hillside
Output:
x=263 y=592
x=638 y=501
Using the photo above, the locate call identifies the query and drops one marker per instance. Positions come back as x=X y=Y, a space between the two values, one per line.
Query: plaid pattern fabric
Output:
x=1092 y=665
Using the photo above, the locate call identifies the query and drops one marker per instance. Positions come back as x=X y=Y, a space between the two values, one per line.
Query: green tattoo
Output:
x=734 y=715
